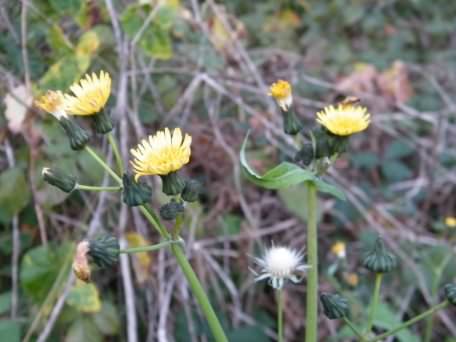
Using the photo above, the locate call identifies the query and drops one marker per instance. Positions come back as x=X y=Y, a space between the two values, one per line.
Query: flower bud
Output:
x=305 y=155
x=291 y=124
x=78 y=136
x=81 y=266
x=169 y=211
x=104 y=251
x=191 y=190
x=173 y=184
x=379 y=260
x=135 y=193
x=102 y=122
x=334 y=306
x=59 y=179
x=450 y=293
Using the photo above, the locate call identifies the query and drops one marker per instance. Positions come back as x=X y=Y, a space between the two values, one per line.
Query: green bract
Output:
x=334 y=305
x=135 y=193
x=104 y=251
x=59 y=179
x=173 y=184
x=102 y=122
x=378 y=259
x=78 y=136
x=450 y=293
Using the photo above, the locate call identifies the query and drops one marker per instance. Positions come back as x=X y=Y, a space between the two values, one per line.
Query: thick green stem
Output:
x=312 y=259
x=103 y=164
x=199 y=293
x=354 y=329
x=98 y=188
x=404 y=325
x=149 y=248
x=375 y=297
x=116 y=152
x=280 y=314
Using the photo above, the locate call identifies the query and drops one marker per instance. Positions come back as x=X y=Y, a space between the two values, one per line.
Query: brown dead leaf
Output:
x=17 y=103
x=394 y=83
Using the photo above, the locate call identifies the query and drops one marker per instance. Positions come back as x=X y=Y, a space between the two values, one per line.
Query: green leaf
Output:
x=284 y=175
x=65 y=72
x=366 y=160
x=248 y=334
x=398 y=149
x=108 y=320
x=386 y=318
x=396 y=171
x=83 y=329
x=66 y=6
x=14 y=193
x=231 y=224
x=5 y=302
x=10 y=330
x=39 y=269
x=84 y=297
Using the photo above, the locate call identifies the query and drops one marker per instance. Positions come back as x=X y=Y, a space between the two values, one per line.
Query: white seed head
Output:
x=281 y=261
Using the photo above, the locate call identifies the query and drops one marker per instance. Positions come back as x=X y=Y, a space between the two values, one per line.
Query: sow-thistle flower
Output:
x=163 y=154
x=450 y=221
x=344 y=119
x=338 y=249
x=281 y=92
x=54 y=102
x=279 y=264
x=90 y=94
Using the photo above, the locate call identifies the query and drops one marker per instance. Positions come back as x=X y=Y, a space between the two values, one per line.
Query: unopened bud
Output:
x=135 y=193
x=378 y=259
x=169 y=211
x=191 y=191
x=59 y=179
x=104 y=251
x=334 y=306
x=450 y=293
x=77 y=135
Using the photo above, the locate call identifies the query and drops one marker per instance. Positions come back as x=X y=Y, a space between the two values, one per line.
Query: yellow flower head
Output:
x=281 y=92
x=351 y=279
x=52 y=102
x=338 y=249
x=450 y=221
x=162 y=153
x=90 y=94
x=344 y=119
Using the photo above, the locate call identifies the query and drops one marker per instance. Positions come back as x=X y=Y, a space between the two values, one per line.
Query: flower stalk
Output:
x=149 y=248
x=375 y=298
x=115 y=150
x=98 y=188
x=280 y=303
x=312 y=260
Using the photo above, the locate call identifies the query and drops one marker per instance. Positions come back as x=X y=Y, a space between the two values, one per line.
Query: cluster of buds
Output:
x=102 y=251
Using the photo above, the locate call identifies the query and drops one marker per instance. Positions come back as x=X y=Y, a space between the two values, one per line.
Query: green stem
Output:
x=199 y=293
x=155 y=221
x=149 y=248
x=98 y=188
x=404 y=325
x=103 y=164
x=280 y=315
x=354 y=329
x=375 y=297
x=115 y=150
x=312 y=259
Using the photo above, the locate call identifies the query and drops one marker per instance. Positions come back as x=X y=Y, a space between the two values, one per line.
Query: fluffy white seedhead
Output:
x=279 y=264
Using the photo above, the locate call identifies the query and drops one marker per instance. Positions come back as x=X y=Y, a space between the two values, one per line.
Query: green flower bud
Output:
x=450 y=293
x=334 y=305
x=191 y=191
x=59 y=179
x=379 y=260
x=104 y=251
x=169 y=211
x=102 y=122
x=173 y=184
x=291 y=123
x=305 y=155
x=135 y=193
x=78 y=136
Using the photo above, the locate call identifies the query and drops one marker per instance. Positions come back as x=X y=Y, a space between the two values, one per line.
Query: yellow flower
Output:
x=338 y=249
x=281 y=92
x=351 y=279
x=344 y=119
x=162 y=153
x=90 y=94
x=52 y=102
x=450 y=221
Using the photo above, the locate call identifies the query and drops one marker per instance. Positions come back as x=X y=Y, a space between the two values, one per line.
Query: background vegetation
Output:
x=205 y=66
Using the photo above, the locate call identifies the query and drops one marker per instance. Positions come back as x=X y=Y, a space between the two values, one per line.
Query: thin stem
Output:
x=98 y=188
x=280 y=315
x=375 y=297
x=115 y=150
x=155 y=221
x=404 y=325
x=199 y=293
x=312 y=259
x=103 y=164
x=149 y=248
x=354 y=329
